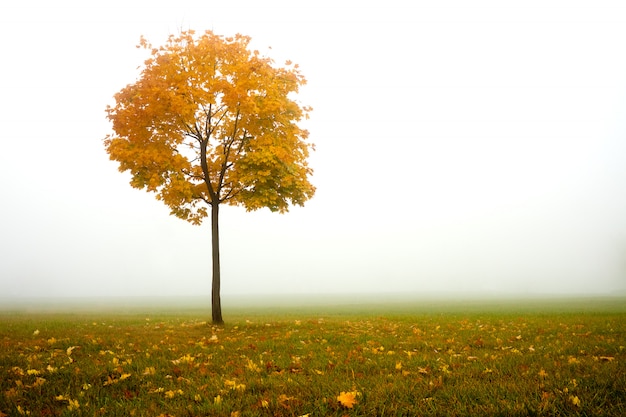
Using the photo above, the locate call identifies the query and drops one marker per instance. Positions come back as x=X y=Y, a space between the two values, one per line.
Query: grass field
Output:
x=426 y=358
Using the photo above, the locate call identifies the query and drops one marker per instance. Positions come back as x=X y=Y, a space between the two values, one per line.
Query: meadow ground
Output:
x=412 y=358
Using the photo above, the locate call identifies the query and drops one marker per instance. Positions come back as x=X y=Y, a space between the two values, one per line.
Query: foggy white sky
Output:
x=459 y=148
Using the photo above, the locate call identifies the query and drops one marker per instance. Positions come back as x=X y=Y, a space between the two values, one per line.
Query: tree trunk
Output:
x=216 y=303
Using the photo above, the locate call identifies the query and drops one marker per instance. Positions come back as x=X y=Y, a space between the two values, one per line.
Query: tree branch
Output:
x=190 y=175
x=231 y=193
x=243 y=141
x=207 y=122
x=227 y=146
x=205 y=170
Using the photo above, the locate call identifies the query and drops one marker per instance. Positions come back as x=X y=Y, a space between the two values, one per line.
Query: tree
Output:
x=210 y=122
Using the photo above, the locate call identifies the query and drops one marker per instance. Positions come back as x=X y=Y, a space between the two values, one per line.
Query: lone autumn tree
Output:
x=210 y=122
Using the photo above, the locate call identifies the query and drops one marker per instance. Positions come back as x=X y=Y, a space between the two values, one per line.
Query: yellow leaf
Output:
x=73 y=405
x=283 y=399
x=234 y=385
x=39 y=382
x=348 y=399
x=574 y=400
x=110 y=381
x=184 y=359
x=252 y=366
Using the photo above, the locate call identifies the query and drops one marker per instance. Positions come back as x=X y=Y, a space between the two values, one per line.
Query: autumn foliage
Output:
x=211 y=122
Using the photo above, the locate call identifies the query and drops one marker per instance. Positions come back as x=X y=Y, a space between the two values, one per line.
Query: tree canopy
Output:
x=209 y=121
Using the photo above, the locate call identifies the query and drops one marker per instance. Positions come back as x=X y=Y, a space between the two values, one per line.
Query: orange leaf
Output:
x=348 y=399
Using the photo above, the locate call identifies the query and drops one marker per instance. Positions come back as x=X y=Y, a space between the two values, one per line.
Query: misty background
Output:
x=461 y=147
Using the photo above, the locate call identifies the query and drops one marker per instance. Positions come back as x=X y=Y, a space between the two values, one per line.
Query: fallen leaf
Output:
x=283 y=400
x=575 y=400
x=348 y=399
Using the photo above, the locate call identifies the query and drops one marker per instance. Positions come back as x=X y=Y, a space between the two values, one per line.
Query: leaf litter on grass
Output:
x=411 y=364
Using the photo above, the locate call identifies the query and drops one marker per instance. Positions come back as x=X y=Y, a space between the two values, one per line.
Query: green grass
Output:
x=550 y=357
